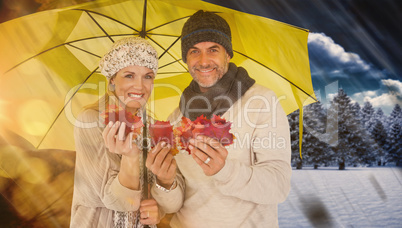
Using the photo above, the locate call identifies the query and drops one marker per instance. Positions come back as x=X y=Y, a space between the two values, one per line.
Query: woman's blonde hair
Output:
x=104 y=101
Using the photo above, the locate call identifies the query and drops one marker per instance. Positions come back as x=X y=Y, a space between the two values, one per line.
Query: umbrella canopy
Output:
x=49 y=61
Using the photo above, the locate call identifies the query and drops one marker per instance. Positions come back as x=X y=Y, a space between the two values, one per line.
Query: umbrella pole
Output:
x=143 y=31
x=144 y=156
x=144 y=132
x=146 y=186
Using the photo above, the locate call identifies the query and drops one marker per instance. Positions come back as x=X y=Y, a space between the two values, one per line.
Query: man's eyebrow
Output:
x=214 y=46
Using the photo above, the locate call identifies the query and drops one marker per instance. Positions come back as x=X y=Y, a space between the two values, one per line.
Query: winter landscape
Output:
x=355 y=197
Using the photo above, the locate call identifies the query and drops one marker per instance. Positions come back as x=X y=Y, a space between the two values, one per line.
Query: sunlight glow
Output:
x=34 y=117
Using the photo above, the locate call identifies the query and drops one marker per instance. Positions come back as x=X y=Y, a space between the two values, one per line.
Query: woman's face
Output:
x=133 y=86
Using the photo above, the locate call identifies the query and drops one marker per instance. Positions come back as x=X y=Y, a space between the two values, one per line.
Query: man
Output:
x=235 y=186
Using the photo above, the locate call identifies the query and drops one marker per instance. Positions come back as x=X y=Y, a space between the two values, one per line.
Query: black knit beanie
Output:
x=205 y=27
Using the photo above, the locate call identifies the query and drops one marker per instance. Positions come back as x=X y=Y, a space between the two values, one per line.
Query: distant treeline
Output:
x=344 y=134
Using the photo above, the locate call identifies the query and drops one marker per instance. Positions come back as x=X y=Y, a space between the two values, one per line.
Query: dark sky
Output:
x=370 y=28
x=354 y=43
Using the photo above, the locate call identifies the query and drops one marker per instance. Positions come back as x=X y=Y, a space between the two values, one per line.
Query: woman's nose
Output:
x=137 y=83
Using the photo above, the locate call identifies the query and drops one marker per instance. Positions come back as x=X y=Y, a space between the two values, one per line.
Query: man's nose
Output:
x=204 y=59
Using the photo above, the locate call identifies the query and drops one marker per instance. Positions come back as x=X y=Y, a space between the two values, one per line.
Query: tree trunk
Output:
x=341 y=165
x=299 y=165
x=315 y=166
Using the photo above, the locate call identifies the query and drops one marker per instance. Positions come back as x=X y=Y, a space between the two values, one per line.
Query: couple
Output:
x=235 y=186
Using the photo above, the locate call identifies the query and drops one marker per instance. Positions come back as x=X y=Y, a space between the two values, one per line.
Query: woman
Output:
x=108 y=171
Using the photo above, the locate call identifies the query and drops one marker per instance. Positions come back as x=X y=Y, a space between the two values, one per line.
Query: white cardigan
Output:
x=255 y=178
x=97 y=190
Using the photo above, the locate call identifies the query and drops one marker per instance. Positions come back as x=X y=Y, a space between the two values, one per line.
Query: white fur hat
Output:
x=132 y=51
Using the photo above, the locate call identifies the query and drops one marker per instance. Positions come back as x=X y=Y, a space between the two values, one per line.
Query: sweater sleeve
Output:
x=96 y=169
x=172 y=201
x=267 y=179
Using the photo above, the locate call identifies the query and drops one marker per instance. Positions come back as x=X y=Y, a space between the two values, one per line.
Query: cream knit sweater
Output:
x=255 y=178
x=97 y=190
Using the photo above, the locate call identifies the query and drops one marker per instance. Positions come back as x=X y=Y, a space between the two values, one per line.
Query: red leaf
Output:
x=115 y=113
x=220 y=129
x=216 y=128
x=163 y=131
x=184 y=133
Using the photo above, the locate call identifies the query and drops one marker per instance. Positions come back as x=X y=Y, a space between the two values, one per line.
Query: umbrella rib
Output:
x=169 y=22
x=103 y=30
x=159 y=34
x=110 y=18
x=84 y=50
x=176 y=60
x=167 y=49
x=169 y=64
x=68 y=43
x=175 y=72
x=178 y=19
x=277 y=74
x=61 y=111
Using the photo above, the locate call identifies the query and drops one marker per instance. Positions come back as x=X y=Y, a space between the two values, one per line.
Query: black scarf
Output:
x=219 y=98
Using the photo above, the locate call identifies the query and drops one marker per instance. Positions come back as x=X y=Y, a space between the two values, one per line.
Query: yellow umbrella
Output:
x=49 y=61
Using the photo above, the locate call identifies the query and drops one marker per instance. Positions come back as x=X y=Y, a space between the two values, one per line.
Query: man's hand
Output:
x=161 y=163
x=209 y=154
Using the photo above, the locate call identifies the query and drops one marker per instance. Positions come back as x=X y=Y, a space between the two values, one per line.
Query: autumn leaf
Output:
x=163 y=131
x=116 y=113
x=220 y=130
x=216 y=128
x=184 y=133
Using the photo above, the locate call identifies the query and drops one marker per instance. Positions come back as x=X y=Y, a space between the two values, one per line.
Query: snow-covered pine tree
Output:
x=356 y=109
x=314 y=145
x=367 y=113
x=394 y=140
x=395 y=144
x=379 y=115
x=293 y=119
x=395 y=116
x=361 y=139
x=341 y=108
x=396 y=112
x=379 y=134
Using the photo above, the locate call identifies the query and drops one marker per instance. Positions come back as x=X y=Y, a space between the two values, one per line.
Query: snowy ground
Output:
x=356 y=197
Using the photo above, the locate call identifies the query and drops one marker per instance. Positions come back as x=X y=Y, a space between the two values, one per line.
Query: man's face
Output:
x=207 y=63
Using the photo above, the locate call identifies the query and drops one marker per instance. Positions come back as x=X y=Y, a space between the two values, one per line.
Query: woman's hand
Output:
x=149 y=212
x=161 y=163
x=116 y=142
